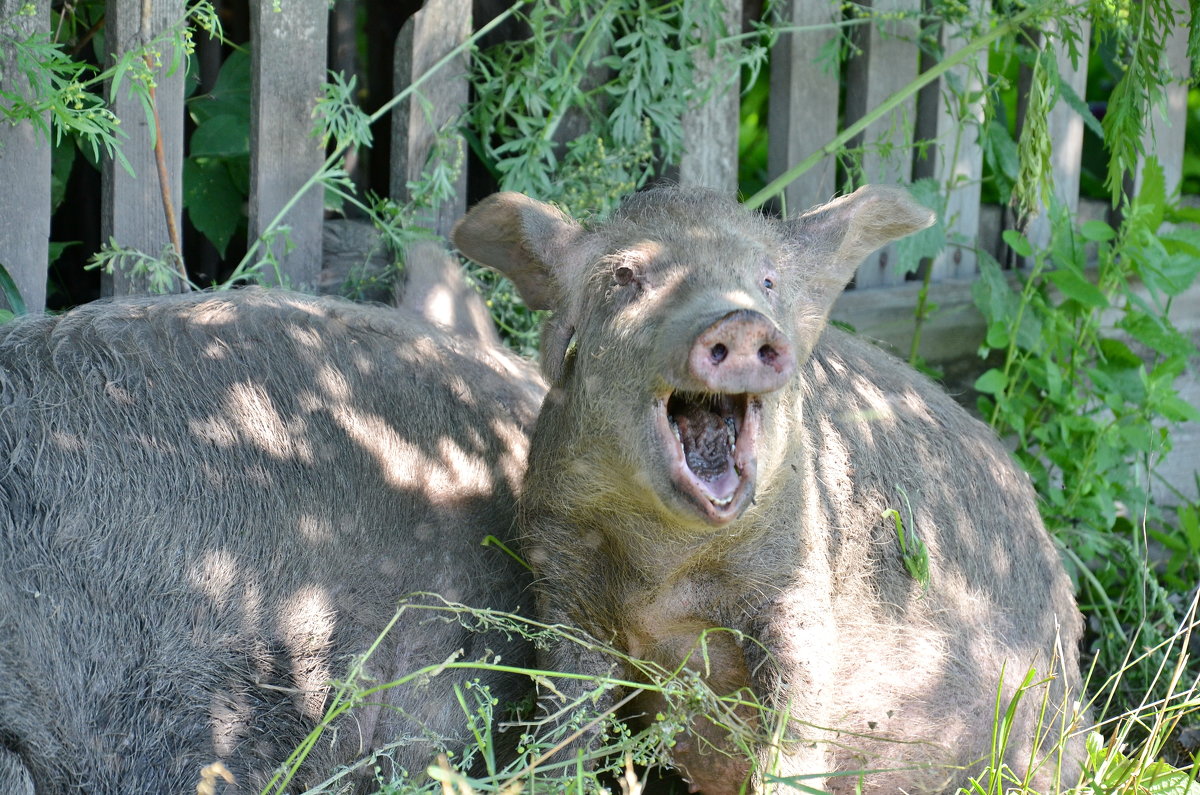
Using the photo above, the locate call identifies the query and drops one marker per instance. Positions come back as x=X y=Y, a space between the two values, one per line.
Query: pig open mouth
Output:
x=709 y=442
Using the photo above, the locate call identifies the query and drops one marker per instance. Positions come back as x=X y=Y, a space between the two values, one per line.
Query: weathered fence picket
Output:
x=429 y=112
x=803 y=102
x=24 y=167
x=140 y=207
x=1164 y=136
x=710 y=132
x=886 y=64
x=288 y=72
x=433 y=283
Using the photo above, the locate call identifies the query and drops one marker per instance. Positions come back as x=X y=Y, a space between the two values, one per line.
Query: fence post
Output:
x=24 y=165
x=887 y=64
x=433 y=284
x=426 y=37
x=133 y=210
x=953 y=120
x=1066 y=137
x=1164 y=135
x=710 y=131
x=803 y=111
x=288 y=57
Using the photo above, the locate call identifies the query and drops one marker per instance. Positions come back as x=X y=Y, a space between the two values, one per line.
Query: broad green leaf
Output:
x=1177 y=409
x=1001 y=152
x=221 y=136
x=1117 y=354
x=1017 y=242
x=229 y=95
x=1154 y=334
x=993 y=294
x=62 y=160
x=997 y=336
x=1096 y=231
x=992 y=382
x=1075 y=287
x=8 y=288
x=57 y=248
x=213 y=202
x=1151 y=199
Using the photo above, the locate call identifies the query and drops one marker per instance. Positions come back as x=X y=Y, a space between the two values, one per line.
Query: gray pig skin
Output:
x=210 y=504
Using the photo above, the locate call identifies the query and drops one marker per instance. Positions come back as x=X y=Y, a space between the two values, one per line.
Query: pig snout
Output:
x=742 y=352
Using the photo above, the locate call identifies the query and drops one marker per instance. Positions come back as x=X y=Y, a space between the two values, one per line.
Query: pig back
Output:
x=920 y=665
x=210 y=504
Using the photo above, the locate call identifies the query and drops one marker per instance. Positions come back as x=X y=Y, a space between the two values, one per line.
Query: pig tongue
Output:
x=708 y=438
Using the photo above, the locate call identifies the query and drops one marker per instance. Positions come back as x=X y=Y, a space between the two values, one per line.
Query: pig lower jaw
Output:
x=724 y=484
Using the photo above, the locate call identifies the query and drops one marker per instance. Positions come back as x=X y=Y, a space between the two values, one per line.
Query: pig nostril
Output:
x=719 y=352
x=767 y=355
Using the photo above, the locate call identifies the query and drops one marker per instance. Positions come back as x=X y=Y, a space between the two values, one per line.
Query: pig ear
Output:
x=522 y=238
x=836 y=237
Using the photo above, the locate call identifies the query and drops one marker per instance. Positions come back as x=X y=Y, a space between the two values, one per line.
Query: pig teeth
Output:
x=675 y=429
x=731 y=432
x=722 y=501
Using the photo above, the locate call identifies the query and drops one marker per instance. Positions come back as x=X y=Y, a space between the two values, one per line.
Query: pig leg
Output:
x=556 y=696
x=794 y=673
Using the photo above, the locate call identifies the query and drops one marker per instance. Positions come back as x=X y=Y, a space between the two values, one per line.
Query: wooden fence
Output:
x=289 y=56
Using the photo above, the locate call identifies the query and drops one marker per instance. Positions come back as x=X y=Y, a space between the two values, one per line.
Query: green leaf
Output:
x=57 y=248
x=1176 y=409
x=1097 y=231
x=1118 y=355
x=993 y=382
x=230 y=94
x=1159 y=778
x=1068 y=95
x=213 y=201
x=1075 y=287
x=1156 y=334
x=62 y=160
x=993 y=294
x=8 y=288
x=226 y=135
x=1018 y=243
x=1151 y=199
x=1001 y=152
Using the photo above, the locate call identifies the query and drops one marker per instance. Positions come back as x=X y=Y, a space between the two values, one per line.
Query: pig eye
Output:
x=768 y=283
x=624 y=274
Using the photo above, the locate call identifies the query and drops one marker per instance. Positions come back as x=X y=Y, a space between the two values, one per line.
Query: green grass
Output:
x=1128 y=748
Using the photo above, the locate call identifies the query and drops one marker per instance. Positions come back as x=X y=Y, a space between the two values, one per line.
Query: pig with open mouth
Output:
x=709 y=485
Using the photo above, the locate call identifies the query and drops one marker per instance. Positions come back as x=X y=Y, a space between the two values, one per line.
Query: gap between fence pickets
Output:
x=24 y=162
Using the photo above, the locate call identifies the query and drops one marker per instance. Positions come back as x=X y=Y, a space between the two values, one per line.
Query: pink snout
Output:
x=742 y=352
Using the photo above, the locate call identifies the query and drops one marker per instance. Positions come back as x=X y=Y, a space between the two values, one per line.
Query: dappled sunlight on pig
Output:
x=215 y=503
x=216 y=574
x=452 y=475
x=305 y=623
